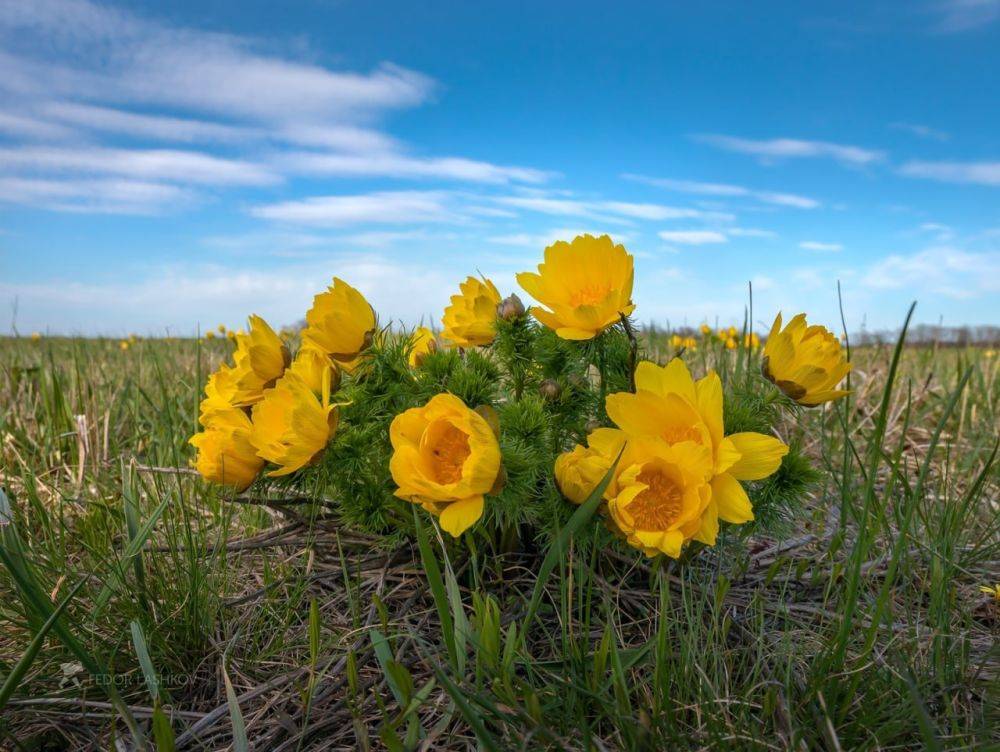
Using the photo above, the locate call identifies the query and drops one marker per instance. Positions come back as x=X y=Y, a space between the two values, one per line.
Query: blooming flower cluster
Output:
x=490 y=409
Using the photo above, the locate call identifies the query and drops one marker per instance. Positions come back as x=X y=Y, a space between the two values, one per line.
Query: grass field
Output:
x=203 y=621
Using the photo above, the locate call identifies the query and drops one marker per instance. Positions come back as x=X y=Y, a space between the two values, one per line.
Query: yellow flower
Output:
x=445 y=458
x=805 y=362
x=123 y=344
x=676 y=341
x=992 y=591
x=670 y=406
x=422 y=342
x=706 y=330
x=730 y=343
x=470 y=319
x=221 y=328
x=661 y=499
x=579 y=471
x=311 y=365
x=220 y=393
x=292 y=424
x=260 y=359
x=341 y=323
x=751 y=341
x=209 y=334
x=586 y=286
x=35 y=336
x=225 y=454
x=732 y=331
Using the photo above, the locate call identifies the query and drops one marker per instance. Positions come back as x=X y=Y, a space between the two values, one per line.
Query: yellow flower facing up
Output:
x=292 y=424
x=471 y=318
x=341 y=323
x=446 y=457
x=260 y=359
x=670 y=406
x=585 y=286
x=805 y=362
x=422 y=342
x=225 y=454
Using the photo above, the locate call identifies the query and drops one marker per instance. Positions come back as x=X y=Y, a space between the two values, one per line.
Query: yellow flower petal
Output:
x=731 y=500
x=460 y=515
x=760 y=455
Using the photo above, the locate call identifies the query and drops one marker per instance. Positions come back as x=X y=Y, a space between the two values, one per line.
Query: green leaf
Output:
x=240 y=742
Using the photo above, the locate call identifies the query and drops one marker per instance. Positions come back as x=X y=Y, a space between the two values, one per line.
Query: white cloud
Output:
x=946 y=270
x=607 y=210
x=160 y=127
x=792 y=148
x=980 y=173
x=692 y=237
x=922 y=131
x=966 y=15
x=100 y=196
x=31 y=128
x=402 y=166
x=543 y=240
x=943 y=233
x=387 y=207
x=750 y=232
x=725 y=189
x=153 y=164
x=816 y=245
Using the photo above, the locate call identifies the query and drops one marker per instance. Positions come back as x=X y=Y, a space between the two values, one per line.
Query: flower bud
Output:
x=510 y=308
x=550 y=390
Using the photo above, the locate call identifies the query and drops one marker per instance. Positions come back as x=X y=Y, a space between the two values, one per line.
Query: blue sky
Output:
x=163 y=168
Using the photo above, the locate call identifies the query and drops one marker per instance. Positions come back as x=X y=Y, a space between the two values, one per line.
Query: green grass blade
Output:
x=21 y=667
x=436 y=583
x=240 y=742
x=145 y=662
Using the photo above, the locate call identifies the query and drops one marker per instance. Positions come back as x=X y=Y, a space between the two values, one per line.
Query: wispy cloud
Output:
x=981 y=173
x=403 y=166
x=792 y=148
x=571 y=207
x=725 y=189
x=153 y=164
x=692 y=237
x=387 y=207
x=945 y=270
x=98 y=196
x=921 y=131
x=965 y=15
x=750 y=232
x=816 y=245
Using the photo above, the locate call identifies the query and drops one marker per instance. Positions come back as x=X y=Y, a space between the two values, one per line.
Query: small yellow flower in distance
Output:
x=730 y=343
x=232 y=335
x=422 y=342
x=341 y=323
x=732 y=331
x=124 y=345
x=990 y=353
x=445 y=458
x=586 y=286
x=225 y=454
x=471 y=318
x=805 y=362
x=260 y=359
x=292 y=424
x=690 y=343
x=991 y=591
x=722 y=334
x=209 y=334
x=35 y=336
x=661 y=499
x=311 y=365
x=670 y=406
x=751 y=341
x=706 y=330
x=676 y=341
x=221 y=328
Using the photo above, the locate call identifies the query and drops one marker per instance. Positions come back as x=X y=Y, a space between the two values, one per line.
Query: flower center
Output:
x=588 y=295
x=659 y=505
x=448 y=454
